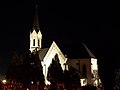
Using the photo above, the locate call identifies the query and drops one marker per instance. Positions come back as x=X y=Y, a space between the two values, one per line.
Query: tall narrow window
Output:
x=33 y=42
x=38 y=42
x=84 y=71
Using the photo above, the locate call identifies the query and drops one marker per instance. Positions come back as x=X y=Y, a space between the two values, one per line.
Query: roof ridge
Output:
x=89 y=52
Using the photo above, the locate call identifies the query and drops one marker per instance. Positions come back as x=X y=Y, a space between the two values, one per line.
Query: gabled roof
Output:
x=89 y=52
x=80 y=51
x=42 y=53
x=53 y=50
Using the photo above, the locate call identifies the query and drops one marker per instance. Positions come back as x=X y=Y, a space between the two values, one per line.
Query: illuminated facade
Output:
x=88 y=67
x=45 y=54
x=35 y=35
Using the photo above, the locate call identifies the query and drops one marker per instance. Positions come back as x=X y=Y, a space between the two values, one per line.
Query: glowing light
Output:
x=83 y=82
x=31 y=82
x=94 y=66
x=4 y=81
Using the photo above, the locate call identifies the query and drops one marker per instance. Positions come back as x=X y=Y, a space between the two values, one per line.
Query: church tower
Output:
x=35 y=34
x=89 y=68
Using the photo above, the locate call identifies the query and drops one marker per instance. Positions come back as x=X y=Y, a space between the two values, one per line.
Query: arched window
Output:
x=33 y=42
x=84 y=71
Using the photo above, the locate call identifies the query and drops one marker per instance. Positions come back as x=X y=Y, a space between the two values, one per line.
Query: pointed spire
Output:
x=89 y=52
x=36 y=21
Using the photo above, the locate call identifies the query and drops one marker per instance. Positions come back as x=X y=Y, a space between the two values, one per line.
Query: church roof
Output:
x=80 y=51
x=36 y=26
x=89 y=52
x=43 y=52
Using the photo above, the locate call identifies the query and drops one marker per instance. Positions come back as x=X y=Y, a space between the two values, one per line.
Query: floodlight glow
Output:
x=83 y=82
x=4 y=81
x=94 y=64
x=31 y=82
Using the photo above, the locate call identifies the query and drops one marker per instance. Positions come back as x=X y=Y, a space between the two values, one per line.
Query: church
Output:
x=87 y=65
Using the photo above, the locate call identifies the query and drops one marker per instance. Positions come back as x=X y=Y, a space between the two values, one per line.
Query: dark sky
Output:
x=66 y=24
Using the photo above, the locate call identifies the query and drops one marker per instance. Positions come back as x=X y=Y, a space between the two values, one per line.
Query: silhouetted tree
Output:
x=27 y=70
x=117 y=79
x=33 y=72
x=55 y=72
x=15 y=68
x=71 y=78
x=36 y=69
x=67 y=78
x=74 y=76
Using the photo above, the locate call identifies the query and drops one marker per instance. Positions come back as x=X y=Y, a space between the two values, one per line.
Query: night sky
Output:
x=62 y=23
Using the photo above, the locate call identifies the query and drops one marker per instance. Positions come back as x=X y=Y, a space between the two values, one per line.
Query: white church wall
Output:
x=36 y=36
x=94 y=65
x=40 y=39
x=53 y=50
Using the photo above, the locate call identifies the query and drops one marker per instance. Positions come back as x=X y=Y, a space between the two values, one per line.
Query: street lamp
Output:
x=4 y=81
